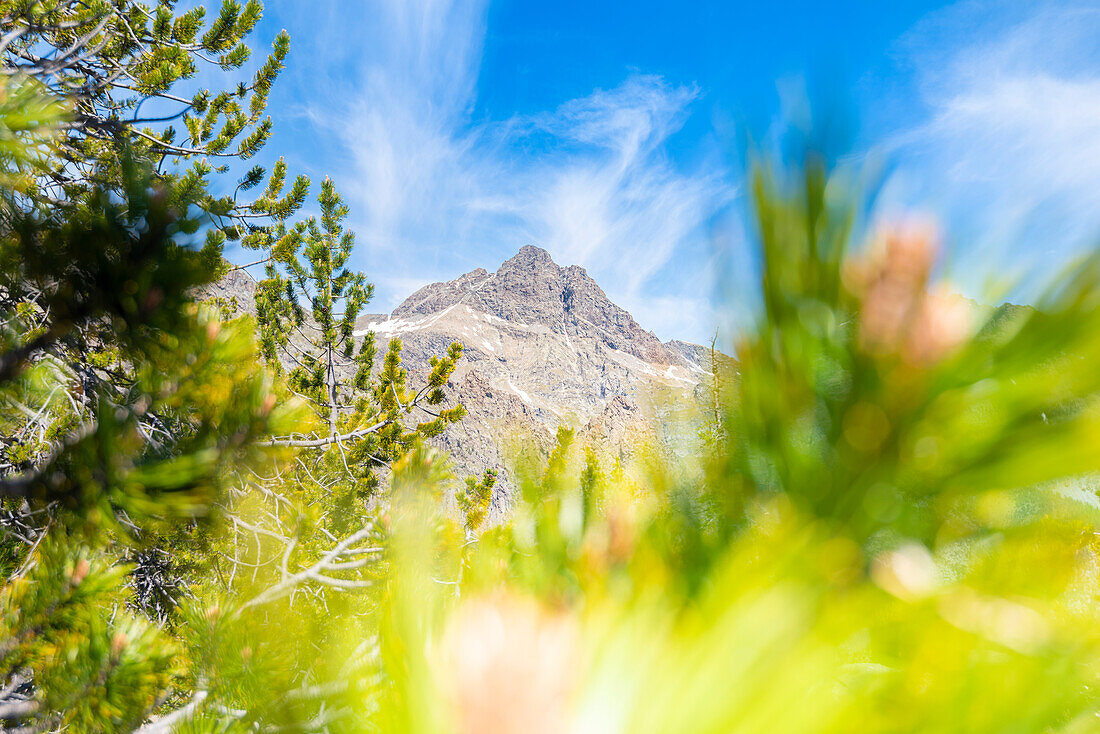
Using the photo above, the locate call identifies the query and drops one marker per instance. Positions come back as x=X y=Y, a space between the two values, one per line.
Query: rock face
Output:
x=530 y=289
x=543 y=346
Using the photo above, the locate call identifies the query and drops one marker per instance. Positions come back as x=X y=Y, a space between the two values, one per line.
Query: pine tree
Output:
x=93 y=95
x=116 y=68
x=126 y=407
x=307 y=309
x=71 y=662
x=75 y=146
x=134 y=406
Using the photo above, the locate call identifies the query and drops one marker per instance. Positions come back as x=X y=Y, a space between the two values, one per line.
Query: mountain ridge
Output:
x=528 y=287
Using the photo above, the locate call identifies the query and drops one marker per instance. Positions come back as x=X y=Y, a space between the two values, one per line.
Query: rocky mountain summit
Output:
x=544 y=346
x=531 y=289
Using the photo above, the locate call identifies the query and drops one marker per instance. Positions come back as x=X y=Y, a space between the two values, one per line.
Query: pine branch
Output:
x=317 y=572
x=328 y=440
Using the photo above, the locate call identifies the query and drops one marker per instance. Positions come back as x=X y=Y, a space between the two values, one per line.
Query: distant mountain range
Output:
x=543 y=346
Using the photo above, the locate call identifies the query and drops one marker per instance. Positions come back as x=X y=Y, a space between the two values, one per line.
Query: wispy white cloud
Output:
x=399 y=116
x=435 y=192
x=1010 y=149
x=610 y=196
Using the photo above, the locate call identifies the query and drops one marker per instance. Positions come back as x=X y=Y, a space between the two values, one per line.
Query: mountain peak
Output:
x=530 y=259
x=530 y=288
x=532 y=253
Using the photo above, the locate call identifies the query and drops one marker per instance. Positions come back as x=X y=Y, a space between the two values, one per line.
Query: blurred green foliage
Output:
x=893 y=531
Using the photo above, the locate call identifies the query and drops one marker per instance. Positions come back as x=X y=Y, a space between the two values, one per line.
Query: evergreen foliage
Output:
x=307 y=309
x=131 y=406
x=124 y=73
x=94 y=668
x=474 y=499
x=125 y=407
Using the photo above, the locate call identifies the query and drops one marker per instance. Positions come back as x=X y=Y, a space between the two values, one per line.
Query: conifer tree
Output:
x=70 y=663
x=125 y=406
x=118 y=68
x=96 y=91
x=307 y=309
x=109 y=76
x=92 y=97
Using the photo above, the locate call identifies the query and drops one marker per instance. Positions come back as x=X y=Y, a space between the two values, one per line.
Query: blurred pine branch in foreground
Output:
x=893 y=532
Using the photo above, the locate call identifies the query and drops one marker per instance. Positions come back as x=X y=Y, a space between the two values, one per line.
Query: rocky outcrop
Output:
x=531 y=289
x=234 y=294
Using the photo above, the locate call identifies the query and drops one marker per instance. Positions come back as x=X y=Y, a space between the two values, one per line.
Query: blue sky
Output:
x=607 y=132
